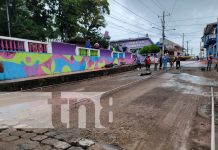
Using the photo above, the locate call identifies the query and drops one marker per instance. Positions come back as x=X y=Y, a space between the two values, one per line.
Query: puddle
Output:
x=189 y=78
x=195 y=79
x=186 y=83
x=182 y=87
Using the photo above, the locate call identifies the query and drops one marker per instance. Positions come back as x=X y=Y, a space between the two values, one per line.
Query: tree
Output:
x=99 y=38
x=154 y=48
x=91 y=18
x=28 y=19
x=66 y=18
x=149 y=49
x=3 y=16
x=51 y=19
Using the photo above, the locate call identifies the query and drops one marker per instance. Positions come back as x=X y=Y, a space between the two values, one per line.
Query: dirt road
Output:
x=157 y=112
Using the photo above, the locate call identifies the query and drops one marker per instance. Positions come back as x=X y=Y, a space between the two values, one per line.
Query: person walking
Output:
x=160 y=61
x=139 y=65
x=148 y=63
x=177 y=62
x=165 y=61
x=155 y=63
x=172 y=59
x=209 y=63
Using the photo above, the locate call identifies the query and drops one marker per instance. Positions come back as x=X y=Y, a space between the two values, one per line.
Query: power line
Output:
x=134 y=13
x=126 y=22
x=174 y=5
x=125 y=29
x=188 y=25
x=148 y=7
x=193 y=18
x=158 y=4
x=163 y=29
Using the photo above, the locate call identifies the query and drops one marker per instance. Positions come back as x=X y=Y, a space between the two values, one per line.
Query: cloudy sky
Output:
x=135 y=18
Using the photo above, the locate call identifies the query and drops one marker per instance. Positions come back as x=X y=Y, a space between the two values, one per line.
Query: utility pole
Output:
x=163 y=29
x=163 y=32
x=8 y=19
x=188 y=45
x=183 y=39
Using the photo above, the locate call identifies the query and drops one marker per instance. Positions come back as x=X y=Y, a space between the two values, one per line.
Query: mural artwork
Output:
x=22 y=65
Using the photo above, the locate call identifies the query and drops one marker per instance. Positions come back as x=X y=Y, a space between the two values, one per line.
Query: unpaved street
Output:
x=158 y=112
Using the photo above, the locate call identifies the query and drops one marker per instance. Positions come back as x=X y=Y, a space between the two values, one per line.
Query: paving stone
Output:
x=49 y=141
x=8 y=130
x=27 y=145
x=3 y=135
x=43 y=147
x=39 y=138
x=75 y=148
x=28 y=135
x=29 y=130
x=73 y=141
x=64 y=137
x=61 y=145
x=40 y=131
x=17 y=133
x=56 y=143
x=7 y=146
x=10 y=138
x=86 y=143
x=19 y=141
x=51 y=134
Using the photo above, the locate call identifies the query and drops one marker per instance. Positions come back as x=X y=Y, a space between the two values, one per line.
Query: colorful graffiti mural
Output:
x=22 y=64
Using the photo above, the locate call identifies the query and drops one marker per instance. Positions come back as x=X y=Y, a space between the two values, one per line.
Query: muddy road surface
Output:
x=158 y=112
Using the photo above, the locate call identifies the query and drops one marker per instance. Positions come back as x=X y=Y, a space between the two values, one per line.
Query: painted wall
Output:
x=23 y=65
x=63 y=48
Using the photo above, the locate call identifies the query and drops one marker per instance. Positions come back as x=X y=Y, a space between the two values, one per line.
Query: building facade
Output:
x=132 y=45
x=171 y=47
x=210 y=39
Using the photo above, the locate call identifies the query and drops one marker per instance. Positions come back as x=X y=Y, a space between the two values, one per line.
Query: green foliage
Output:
x=154 y=48
x=28 y=19
x=99 y=38
x=91 y=16
x=149 y=49
x=52 y=19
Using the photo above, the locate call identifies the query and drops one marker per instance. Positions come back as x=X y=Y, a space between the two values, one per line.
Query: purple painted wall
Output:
x=63 y=48
x=105 y=53
x=128 y=55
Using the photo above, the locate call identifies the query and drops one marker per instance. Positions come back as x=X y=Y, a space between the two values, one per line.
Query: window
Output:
x=121 y=55
x=93 y=53
x=11 y=45
x=83 y=52
x=115 y=55
x=37 y=47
